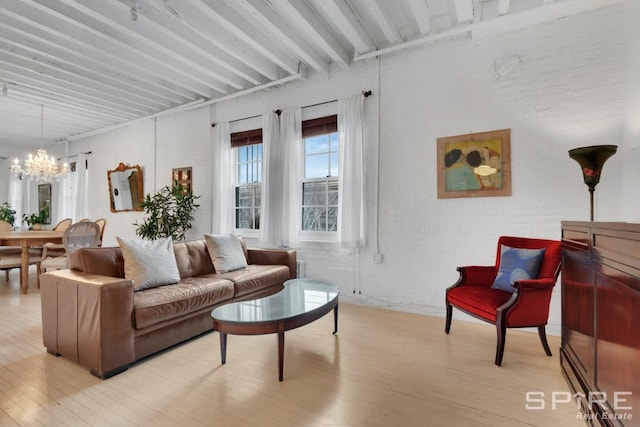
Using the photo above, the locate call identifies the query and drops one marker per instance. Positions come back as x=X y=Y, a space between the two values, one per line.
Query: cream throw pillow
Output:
x=149 y=263
x=226 y=252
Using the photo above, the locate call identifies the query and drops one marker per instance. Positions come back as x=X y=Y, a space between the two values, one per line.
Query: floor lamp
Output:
x=591 y=160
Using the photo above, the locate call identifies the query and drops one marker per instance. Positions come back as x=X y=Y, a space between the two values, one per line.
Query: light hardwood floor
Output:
x=384 y=368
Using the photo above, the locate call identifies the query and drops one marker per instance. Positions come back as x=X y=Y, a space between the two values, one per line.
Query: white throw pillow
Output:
x=226 y=252
x=149 y=263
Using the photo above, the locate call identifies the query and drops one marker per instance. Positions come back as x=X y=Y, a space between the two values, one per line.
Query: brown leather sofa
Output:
x=91 y=314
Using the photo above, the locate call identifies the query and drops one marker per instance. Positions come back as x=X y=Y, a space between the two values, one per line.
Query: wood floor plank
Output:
x=383 y=368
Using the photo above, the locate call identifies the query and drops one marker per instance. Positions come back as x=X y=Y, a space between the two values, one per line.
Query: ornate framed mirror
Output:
x=125 y=188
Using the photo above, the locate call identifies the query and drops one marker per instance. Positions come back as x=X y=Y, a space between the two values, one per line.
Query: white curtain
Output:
x=272 y=167
x=222 y=197
x=82 y=199
x=67 y=197
x=15 y=197
x=351 y=232
x=73 y=200
x=291 y=138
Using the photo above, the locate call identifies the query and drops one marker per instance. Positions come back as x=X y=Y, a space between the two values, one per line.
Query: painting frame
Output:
x=474 y=165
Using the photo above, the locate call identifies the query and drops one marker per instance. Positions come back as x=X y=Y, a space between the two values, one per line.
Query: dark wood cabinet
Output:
x=600 y=350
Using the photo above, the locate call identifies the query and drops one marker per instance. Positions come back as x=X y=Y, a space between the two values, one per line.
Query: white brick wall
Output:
x=566 y=91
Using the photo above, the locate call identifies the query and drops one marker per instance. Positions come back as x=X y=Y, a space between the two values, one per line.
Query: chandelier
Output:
x=41 y=167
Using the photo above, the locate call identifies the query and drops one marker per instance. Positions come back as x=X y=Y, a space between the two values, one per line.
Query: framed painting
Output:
x=183 y=177
x=475 y=165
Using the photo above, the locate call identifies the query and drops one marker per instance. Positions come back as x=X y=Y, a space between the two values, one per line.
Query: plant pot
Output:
x=36 y=227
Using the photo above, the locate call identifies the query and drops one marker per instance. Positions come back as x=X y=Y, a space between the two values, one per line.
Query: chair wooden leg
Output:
x=502 y=333
x=543 y=338
x=447 y=325
x=6 y=275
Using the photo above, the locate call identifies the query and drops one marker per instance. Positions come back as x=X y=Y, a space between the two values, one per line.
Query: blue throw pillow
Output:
x=517 y=264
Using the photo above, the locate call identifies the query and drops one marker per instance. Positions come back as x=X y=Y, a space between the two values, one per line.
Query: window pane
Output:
x=316 y=144
x=316 y=166
x=256 y=218
x=335 y=142
x=244 y=218
x=334 y=164
x=258 y=195
x=242 y=154
x=332 y=220
x=314 y=193
x=243 y=173
x=244 y=196
x=333 y=193
x=314 y=219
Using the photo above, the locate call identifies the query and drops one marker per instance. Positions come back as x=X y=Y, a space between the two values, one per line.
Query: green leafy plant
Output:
x=168 y=213
x=36 y=218
x=7 y=214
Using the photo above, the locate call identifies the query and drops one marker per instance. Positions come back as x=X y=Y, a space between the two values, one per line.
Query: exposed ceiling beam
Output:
x=421 y=14
x=272 y=24
x=347 y=23
x=548 y=12
x=389 y=30
x=310 y=27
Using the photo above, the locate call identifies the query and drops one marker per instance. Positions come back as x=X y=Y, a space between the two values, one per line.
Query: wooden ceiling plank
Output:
x=185 y=38
x=144 y=37
x=346 y=21
x=212 y=23
x=81 y=75
x=422 y=14
x=71 y=81
x=63 y=14
x=389 y=30
x=52 y=46
x=92 y=43
x=29 y=78
x=503 y=6
x=311 y=26
x=463 y=11
x=271 y=23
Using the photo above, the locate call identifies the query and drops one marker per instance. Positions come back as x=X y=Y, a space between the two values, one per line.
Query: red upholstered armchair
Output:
x=527 y=306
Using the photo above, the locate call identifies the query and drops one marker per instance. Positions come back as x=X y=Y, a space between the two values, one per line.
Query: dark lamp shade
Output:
x=591 y=160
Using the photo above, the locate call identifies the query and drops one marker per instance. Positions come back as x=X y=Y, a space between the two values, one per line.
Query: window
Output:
x=320 y=184
x=248 y=148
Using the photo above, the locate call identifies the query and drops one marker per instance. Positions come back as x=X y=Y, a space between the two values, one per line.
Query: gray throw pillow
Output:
x=226 y=252
x=149 y=263
x=517 y=264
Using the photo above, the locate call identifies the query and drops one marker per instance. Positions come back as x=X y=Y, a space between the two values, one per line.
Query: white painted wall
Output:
x=565 y=91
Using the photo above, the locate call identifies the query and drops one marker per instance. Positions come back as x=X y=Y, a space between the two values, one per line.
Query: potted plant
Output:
x=7 y=214
x=35 y=220
x=168 y=213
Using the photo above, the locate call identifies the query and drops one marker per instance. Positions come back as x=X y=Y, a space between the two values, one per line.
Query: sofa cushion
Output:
x=156 y=305
x=103 y=261
x=256 y=277
x=192 y=257
x=149 y=263
x=226 y=252
x=517 y=264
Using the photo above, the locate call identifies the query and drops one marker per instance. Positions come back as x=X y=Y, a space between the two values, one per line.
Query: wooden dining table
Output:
x=26 y=240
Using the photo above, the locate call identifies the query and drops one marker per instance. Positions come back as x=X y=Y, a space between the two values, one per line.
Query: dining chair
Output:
x=85 y=234
x=11 y=256
x=63 y=224
x=102 y=223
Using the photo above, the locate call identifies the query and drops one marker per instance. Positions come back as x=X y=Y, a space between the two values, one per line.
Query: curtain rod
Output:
x=365 y=93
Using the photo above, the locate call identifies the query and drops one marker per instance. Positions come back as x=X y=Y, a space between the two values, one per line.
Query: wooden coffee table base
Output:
x=277 y=326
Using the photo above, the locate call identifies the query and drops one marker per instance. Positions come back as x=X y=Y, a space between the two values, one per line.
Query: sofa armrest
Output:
x=261 y=256
x=88 y=318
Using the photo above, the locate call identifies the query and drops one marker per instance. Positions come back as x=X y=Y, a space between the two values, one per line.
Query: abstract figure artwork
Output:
x=475 y=165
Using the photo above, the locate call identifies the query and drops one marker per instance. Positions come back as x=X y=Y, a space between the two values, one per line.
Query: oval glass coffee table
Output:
x=300 y=302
